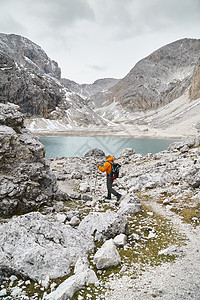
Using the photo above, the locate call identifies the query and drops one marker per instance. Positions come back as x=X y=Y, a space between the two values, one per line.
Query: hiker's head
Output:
x=109 y=157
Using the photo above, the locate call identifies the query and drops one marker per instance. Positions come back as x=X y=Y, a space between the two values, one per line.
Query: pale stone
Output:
x=75 y=221
x=120 y=240
x=108 y=224
x=84 y=187
x=83 y=276
x=107 y=255
x=3 y=292
x=41 y=247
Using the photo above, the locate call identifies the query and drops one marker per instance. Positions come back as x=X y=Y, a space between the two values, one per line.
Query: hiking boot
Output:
x=107 y=197
x=118 y=197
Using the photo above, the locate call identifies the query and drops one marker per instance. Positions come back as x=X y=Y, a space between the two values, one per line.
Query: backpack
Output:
x=115 y=170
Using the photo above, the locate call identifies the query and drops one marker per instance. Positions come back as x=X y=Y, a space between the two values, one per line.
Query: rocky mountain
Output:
x=27 y=54
x=31 y=80
x=155 y=81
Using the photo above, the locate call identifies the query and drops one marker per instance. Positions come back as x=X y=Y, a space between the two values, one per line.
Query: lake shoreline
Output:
x=86 y=132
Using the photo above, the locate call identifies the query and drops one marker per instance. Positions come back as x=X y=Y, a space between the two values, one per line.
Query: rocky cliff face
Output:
x=31 y=80
x=195 y=86
x=28 y=55
x=34 y=92
x=194 y=91
x=28 y=77
x=26 y=181
x=157 y=79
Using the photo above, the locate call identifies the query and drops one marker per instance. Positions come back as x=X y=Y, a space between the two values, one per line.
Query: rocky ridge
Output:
x=80 y=245
x=28 y=54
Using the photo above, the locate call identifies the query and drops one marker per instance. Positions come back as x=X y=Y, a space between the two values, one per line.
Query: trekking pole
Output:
x=95 y=181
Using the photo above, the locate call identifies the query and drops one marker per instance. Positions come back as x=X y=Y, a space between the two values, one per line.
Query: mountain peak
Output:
x=28 y=54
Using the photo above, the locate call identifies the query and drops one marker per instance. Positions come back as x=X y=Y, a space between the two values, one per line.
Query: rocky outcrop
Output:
x=83 y=276
x=104 y=225
x=94 y=153
x=28 y=77
x=36 y=92
x=195 y=86
x=26 y=181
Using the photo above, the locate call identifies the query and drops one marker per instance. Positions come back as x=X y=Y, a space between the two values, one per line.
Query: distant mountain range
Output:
x=29 y=78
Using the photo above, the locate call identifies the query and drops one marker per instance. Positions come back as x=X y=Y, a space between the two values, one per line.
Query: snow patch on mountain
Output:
x=178 y=119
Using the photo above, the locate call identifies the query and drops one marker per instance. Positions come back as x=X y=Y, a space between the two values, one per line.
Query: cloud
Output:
x=43 y=17
x=61 y=13
x=9 y=18
x=7 y=23
x=164 y=14
x=94 y=38
x=129 y=18
x=98 y=68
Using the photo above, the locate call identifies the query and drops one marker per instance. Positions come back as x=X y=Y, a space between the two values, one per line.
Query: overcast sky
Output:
x=92 y=39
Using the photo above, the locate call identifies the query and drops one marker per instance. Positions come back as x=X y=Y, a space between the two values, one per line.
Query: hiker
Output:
x=107 y=168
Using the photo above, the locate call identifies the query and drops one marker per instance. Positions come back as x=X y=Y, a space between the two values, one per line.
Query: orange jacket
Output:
x=107 y=166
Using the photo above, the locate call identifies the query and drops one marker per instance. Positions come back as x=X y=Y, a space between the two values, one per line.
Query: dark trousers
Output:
x=109 y=186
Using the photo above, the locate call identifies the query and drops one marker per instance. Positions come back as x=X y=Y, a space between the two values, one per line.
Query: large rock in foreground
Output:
x=36 y=247
x=26 y=181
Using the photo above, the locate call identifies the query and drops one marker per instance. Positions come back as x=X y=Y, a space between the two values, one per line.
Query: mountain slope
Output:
x=157 y=79
x=195 y=86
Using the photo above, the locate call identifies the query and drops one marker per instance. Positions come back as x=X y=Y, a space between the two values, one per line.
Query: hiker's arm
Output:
x=104 y=168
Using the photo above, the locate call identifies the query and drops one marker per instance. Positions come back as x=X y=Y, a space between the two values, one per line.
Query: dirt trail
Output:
x=175 y=281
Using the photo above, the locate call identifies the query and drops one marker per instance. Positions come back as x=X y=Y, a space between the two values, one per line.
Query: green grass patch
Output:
x=189 y=214
x=155 y=234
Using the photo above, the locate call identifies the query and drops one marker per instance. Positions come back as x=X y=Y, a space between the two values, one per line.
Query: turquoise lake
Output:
x=65 y=146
